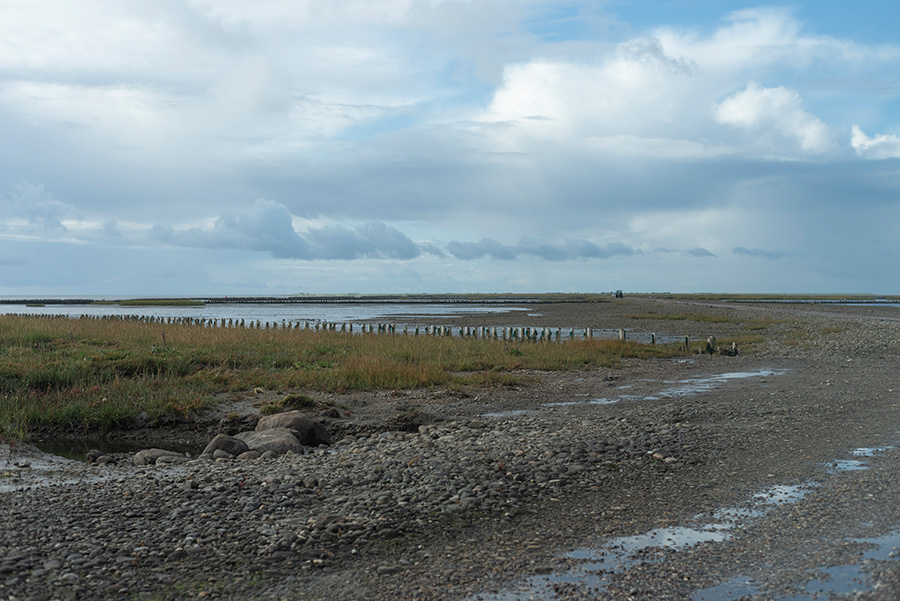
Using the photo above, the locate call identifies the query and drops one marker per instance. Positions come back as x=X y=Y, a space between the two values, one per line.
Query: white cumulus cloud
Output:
x=773 y=116
x=882 y=146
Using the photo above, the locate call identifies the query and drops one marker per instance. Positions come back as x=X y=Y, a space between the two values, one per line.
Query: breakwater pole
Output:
x=508 y=333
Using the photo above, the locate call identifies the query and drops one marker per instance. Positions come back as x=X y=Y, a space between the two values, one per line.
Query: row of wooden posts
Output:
x=496 y=333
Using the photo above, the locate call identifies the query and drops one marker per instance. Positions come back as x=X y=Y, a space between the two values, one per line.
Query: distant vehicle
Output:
x=619 y=294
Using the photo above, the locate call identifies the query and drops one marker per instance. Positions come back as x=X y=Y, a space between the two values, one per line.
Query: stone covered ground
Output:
x=516 y=493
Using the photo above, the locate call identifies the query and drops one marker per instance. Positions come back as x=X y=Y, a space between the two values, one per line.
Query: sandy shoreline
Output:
x=499 y=484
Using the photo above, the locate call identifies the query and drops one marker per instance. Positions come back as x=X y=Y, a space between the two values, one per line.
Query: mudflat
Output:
x=770 y=474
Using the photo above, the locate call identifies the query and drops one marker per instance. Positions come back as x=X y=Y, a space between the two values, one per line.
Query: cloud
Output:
x=773 y=116
x=34 y=206
x=495 y=131
x=268 y=227
x=486 y=247
x=570 y=249
x=652 y=95
x=882 y=146
x=372 y=240
x=758 y=253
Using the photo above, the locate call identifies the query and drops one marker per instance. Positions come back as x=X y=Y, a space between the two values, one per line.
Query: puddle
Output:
x=734 y=588
x=846 y=465
x=694 y=386
x=675 y=538
x=602 y=401
x=784 y=493
x=870 y=452
x=597 y=566
x=76 y=450
x=852 y=465
x=823 y=582
x=680 y=389
x=25 y=466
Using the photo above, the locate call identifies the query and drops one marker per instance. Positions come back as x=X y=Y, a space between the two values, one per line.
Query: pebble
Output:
x=310 y=509
x=261 y=522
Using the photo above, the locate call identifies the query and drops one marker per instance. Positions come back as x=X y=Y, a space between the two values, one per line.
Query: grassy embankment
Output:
x=89 y=374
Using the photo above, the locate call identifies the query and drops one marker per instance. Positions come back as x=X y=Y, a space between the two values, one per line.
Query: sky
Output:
x=225 y=147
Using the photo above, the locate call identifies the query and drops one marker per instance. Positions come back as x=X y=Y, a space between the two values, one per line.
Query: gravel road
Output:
x=770 y=475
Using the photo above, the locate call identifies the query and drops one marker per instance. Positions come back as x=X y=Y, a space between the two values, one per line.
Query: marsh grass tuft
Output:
x=95 y=374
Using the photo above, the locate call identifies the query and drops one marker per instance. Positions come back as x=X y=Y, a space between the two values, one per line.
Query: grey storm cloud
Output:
x=699 y=252
x=759 y=253
x=570 y=249
x=373 y=240
x=486 y=247
x=267 y=227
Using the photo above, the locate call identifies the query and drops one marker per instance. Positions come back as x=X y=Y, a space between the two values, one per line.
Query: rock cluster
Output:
x=148 y=526
x=287 y=432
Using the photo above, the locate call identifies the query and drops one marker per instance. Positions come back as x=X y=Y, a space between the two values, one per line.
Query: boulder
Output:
x=277 y=440
x=308 y=431
x=150 y=456
x=229 y=444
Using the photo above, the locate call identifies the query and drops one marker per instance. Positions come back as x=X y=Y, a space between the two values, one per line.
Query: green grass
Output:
x=102 y=373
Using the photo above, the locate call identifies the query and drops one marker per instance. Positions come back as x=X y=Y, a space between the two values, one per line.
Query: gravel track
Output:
x=501 y=485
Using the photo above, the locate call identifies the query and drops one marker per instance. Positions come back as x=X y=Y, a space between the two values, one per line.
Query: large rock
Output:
x=231 y=445
x=277 y=440
x=309 y=432
x=150 y=456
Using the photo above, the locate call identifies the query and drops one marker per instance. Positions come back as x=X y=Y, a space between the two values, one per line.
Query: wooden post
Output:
x=622 y=336
x=652 y=338
x=687 y=344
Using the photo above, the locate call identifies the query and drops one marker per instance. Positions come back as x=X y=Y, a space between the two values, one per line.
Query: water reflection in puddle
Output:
x=596 y=566
x=846 y=465
x=700 y=385
x=784 y=493
x=852 y=465
x=730 y=589
x=823 y=582
x=680 y=389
